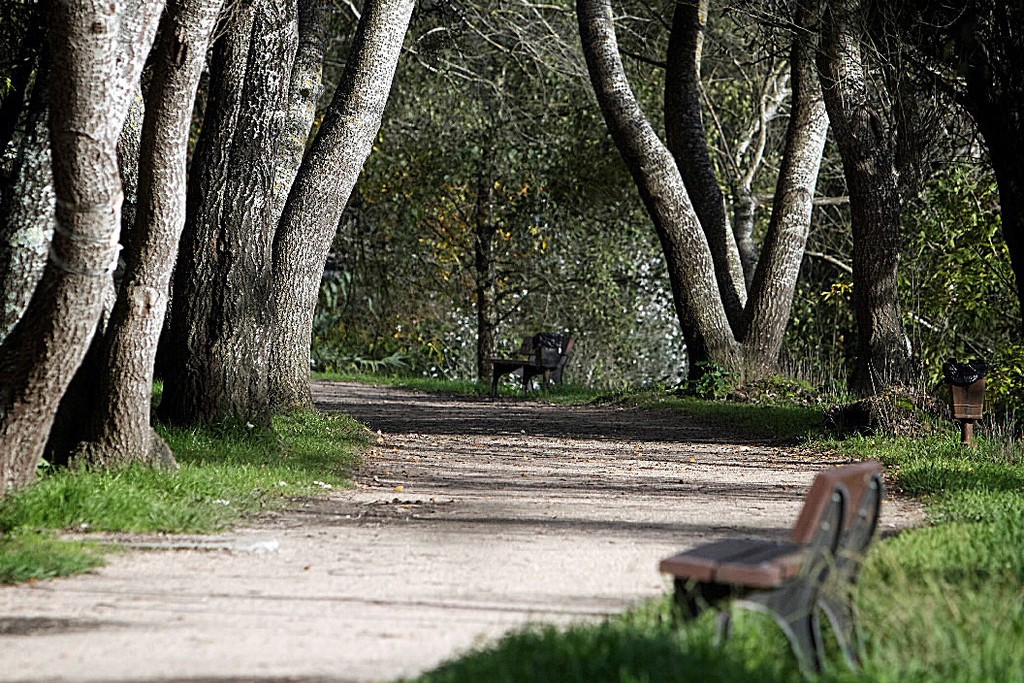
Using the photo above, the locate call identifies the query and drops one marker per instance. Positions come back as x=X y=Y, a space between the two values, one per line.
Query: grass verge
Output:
x=941 y=603
x=226 y=474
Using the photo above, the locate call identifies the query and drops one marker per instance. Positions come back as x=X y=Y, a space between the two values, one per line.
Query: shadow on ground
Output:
x=405 y=411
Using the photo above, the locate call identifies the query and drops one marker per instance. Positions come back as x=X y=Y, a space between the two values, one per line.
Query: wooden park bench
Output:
x=793 y=581
x=544 y=354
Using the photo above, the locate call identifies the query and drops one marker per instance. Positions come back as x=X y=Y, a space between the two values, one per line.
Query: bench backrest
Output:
x=860 y=484
x=552 y=351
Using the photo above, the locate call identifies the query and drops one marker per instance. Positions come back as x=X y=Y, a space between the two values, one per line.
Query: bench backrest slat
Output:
x=855 y=479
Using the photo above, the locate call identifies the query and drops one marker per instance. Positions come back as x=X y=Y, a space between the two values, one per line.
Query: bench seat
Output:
x=753 y=563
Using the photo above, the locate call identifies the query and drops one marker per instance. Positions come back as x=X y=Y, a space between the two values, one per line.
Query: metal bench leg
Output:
x=723 y=627
x=793 y=609
x=694 y=597
x=842 y=614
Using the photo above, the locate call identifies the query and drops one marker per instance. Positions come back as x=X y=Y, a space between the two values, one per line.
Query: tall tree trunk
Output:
x=690 y=264
x=748 y=157
x=484 y=271
x=222 y=283
x=305 y=88
x=92 y=74
x=26 y=214
x=128 y=160
x=771 y=294
x=129 y=351
x=322 y=187
x=686 y=138
x=1003 y=130
x=883 y=349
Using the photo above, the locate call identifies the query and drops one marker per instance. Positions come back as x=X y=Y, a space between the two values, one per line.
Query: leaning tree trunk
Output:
x=687 y=140
x=78 y=417
x=1003 y=128
x=883 y=349
x=129 y=351
x=775 y=278
x=92 y=78
x=305 y=88
x=220 y=321
x=322 y=188
x=690 y=264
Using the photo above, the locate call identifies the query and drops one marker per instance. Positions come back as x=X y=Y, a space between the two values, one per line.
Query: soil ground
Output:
x=470 y=518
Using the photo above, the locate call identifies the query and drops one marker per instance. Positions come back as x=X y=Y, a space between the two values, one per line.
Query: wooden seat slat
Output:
x=766 y=563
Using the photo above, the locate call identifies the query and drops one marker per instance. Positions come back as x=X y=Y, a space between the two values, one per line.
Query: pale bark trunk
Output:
x=26 y=221
x=687 y=139
x=92 y=76
x=304 y=93
x=748 y=158
x=774 y=283
x=690 y=264
x=322 y=187
x=222 y=285
x=128 y=160
x=130 y=349
x=883 y=349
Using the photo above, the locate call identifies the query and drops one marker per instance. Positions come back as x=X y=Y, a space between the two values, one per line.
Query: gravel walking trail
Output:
x=470 y=518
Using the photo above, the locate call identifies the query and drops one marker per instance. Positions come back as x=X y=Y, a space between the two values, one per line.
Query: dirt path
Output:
x=471 y=518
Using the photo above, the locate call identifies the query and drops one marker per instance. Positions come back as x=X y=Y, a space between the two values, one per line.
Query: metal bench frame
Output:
x=794 y=582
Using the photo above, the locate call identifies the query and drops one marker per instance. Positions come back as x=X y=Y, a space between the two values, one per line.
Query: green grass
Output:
x=225 y=475
x=641 y=645
x=944 y=602
x=773 y=422
x=28 y=556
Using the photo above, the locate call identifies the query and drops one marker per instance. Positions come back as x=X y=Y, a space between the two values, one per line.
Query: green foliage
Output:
x=714 y=381
x=1004 y=388
x=958 y=280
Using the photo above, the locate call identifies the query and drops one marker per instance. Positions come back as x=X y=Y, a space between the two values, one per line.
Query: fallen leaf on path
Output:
x=399 y=488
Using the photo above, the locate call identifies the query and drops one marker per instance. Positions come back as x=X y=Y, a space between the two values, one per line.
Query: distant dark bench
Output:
x=544 y=354
x=793 y=581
